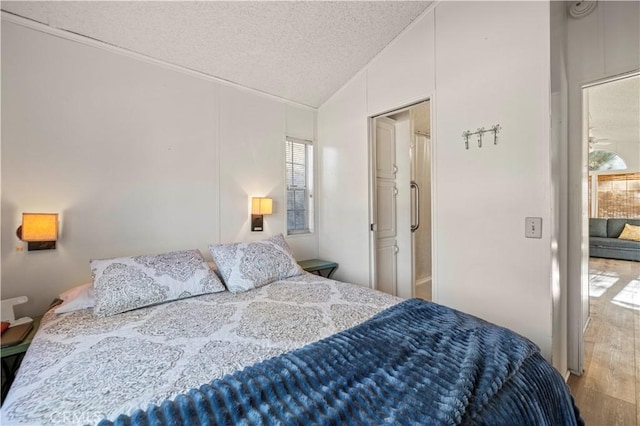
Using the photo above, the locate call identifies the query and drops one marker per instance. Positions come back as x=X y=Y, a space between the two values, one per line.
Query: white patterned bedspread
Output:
x=80 y=369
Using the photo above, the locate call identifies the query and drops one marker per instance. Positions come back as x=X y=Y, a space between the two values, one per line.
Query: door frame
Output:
x=578 y=243
x=372 y=190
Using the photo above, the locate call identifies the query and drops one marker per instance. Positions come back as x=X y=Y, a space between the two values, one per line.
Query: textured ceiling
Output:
x=301 y=51
x=614 y=112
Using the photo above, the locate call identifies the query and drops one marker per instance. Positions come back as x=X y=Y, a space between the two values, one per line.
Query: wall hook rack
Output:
x=466 y=135
x=481 y=131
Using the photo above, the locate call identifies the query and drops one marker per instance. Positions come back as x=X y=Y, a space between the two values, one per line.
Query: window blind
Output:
x=619 y=196
x=297 y=176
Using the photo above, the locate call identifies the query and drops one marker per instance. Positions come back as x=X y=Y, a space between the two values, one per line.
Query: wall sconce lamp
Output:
x=40 y=230
x=260 y=206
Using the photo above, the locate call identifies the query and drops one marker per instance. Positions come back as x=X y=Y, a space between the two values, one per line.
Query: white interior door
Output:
x=386 y=205
x=404 y=255
x=387 y=266
x=385 y=148
x=400 y=168
x=385 y=227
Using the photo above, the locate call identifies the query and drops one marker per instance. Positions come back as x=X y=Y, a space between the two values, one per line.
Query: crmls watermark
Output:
x=76 y=417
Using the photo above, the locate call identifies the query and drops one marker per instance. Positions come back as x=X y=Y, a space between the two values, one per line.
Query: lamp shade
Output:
x=261 y=205
x=39 y=227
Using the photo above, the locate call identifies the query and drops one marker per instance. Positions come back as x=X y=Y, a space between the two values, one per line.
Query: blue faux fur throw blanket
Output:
x=415 y=363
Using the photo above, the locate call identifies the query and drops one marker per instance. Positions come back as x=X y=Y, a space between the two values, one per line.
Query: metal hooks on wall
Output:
x=481 y=131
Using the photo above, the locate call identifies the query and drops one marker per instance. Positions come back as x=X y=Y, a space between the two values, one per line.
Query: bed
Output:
x=298 y=350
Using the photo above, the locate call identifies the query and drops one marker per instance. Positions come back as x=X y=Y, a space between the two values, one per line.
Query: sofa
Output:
x=604 y=241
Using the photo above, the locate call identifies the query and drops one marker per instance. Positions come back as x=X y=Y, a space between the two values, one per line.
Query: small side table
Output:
x=320 y=267
x=12 y=357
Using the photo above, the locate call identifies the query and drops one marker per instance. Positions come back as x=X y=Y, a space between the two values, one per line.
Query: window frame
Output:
x=308 y=188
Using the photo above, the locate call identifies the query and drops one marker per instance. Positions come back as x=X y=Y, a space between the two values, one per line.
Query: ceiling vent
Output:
x=580 y=9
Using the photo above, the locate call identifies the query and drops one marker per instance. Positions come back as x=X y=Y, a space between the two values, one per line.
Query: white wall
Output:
x=601 y=45
x=250 y=151
x=343 y=182
x=630 y=152
x=403 y=73
x=493 y=67
x=490 y=64
x=136 y=157
x=343 y=143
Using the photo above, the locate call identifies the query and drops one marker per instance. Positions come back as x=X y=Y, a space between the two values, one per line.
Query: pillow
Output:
x=597 y=227
x=630 y=232
x=76 y=298
x=128 y=283
x=245 y=266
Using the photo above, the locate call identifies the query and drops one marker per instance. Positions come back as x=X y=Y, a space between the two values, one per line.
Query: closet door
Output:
x=385 y=228
x=385 y=148
x=386 y=206
x=386 y=264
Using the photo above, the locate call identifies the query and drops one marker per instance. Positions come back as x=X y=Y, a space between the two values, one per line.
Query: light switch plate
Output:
x=533 y=227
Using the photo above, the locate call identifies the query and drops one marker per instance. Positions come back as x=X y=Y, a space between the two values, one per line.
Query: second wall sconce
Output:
x=40 y=230
x=259 y=207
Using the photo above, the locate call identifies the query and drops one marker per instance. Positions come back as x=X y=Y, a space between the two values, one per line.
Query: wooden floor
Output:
x=608 y=393
x=423 y=291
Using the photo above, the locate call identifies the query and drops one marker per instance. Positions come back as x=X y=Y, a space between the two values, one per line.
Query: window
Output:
x=619 y=195
x=601 y=160
x=299 y=165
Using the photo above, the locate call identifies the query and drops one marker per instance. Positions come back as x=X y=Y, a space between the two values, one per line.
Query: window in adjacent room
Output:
x=299 y=165
x=602 y=160
x=619 y=196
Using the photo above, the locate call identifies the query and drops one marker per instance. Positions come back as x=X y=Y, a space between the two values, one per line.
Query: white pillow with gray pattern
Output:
x=127 y=283
x=245 y=266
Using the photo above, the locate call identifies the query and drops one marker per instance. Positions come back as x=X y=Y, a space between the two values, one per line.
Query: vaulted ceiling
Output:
x=614 y=113
x=298 y=50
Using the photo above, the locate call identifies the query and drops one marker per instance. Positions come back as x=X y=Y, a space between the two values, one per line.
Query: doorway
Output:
x=401 y=202
x=610 y=187
x=610 y=367
x=612 y=117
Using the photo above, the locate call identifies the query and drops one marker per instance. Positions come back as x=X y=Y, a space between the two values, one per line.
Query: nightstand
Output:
x=12 y=357
x=320 y=267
